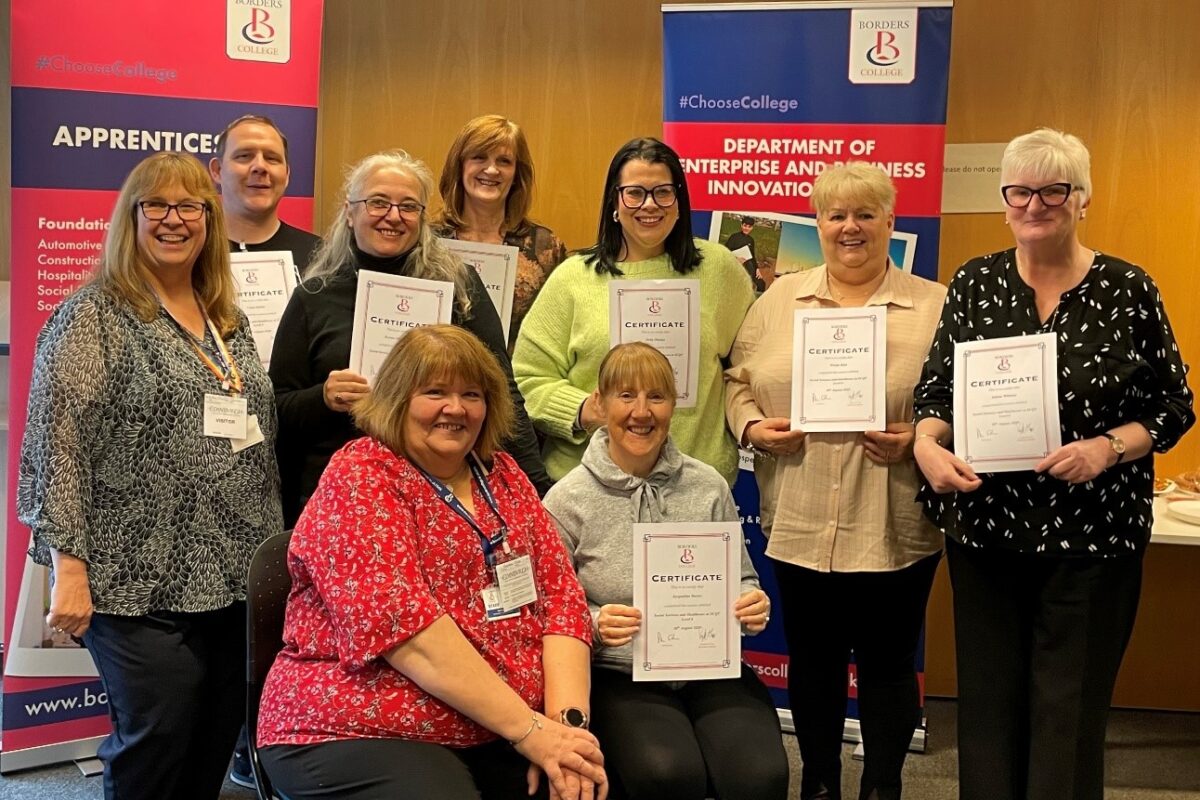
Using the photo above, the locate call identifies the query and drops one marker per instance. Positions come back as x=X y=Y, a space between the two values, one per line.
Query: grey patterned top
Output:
x=1118 y=362
x=115 y=468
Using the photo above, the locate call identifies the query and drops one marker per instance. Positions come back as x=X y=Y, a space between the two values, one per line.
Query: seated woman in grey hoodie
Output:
x=670 y=739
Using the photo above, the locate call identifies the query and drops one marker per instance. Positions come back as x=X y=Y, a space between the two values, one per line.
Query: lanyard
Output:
x=226 y=373
x=488 y=543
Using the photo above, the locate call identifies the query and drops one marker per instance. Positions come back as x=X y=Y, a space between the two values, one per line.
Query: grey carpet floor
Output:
x=1151 y=756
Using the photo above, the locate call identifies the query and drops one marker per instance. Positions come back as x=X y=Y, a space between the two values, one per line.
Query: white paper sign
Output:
x=1006 y=402
x=386 y=308
x=686 y=579
x=497 y=268
x=839 y=369
x=265 y=281
x=665 y=315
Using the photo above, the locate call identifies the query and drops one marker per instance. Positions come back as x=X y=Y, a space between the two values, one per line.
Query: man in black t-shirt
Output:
x=251 y=171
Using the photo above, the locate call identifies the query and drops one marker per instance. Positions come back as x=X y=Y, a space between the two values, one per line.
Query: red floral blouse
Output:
x=377 y=557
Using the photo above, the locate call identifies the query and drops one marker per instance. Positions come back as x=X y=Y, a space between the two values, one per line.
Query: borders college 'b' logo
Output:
x=258 y=30
x=884 y=52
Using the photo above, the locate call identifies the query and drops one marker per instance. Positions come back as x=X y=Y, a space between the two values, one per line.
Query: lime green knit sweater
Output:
x=565 y=336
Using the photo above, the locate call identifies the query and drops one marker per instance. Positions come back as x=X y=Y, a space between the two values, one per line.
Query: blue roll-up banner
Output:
x=758 y=98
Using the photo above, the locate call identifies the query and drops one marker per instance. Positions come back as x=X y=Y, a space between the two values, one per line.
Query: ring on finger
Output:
x=337 y=398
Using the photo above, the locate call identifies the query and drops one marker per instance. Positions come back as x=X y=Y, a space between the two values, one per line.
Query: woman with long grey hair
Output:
x=382 y=227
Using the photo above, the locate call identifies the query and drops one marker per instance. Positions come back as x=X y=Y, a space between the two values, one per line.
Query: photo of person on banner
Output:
x=741 y=244
x=843 y=530
x=148 y=478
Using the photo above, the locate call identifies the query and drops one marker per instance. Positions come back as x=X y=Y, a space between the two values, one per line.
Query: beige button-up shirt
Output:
x=830 y=508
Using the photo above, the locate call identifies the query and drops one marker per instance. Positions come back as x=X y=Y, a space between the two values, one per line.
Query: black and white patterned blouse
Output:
x=115 y=468
x=1118 y=363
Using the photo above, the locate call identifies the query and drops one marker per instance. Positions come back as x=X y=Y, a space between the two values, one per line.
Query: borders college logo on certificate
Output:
x=883 y=45
x=259 y=30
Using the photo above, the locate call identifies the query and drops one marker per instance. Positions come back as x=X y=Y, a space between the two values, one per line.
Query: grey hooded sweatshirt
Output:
x=595 y=505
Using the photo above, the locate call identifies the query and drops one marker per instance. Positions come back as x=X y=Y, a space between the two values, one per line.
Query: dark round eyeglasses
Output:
x=1052 y=195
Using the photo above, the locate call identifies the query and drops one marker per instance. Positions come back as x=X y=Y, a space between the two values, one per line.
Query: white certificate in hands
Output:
x=386 y=308
x=839 y=369
x=665 y=315
x=686 y=578
x=1006 y=402
x=497 y=268
x=265 y=281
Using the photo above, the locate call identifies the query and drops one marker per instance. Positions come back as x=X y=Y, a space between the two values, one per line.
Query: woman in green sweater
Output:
x=645 y=233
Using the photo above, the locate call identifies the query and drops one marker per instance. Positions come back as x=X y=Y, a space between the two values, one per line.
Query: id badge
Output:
x=254 y=435
x=493 y=607
x=225 y=416
x=514 y=577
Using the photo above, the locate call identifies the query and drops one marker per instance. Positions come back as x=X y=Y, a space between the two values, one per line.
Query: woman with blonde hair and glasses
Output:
x=148 y=479
x=487 y=192
x=843 y=530
x=381 y=227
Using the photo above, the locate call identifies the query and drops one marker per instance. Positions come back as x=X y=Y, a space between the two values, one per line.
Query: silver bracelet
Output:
x=535 y=724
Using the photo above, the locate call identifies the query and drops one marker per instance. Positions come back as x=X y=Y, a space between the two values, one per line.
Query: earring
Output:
x=616 y=216
x=1083 y=213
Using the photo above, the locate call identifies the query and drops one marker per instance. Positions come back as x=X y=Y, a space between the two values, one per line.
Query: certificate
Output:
x=265 y=281
x=1006 y=402
x=386 y=308
x=665 y=315
x=839 y=369
x=497 y=268
x=686 y=578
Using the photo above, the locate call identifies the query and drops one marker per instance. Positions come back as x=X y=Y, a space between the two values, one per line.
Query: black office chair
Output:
x=267 y=588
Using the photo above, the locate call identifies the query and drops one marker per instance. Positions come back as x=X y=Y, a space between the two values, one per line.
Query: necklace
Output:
x=840 y=296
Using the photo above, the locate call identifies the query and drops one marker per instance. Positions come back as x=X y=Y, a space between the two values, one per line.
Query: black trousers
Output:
x=398 y=769
x=1039 y=640
x=878 y=616
x=663 y=740
x=176 y=686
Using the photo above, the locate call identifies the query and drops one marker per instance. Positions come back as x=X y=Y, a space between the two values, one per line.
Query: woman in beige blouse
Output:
x=853 y=555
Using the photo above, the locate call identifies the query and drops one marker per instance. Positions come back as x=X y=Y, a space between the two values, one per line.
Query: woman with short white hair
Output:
x=1047 y=564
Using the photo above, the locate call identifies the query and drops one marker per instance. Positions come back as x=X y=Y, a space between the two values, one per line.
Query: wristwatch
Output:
x=573 y=717
x=1116 y=444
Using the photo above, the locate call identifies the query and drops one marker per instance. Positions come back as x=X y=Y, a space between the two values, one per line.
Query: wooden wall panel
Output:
x=581 y=77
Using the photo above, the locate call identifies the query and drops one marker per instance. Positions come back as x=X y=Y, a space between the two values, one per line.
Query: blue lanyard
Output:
x=446 y=495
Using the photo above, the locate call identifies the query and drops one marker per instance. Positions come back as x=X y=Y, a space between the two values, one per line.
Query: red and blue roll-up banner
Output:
x=97 y=87
x=758 y=98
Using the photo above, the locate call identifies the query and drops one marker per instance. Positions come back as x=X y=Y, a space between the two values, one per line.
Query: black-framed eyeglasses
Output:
x=1052 y=195
x=634 y=197
x=381 y=207
x=157 y=211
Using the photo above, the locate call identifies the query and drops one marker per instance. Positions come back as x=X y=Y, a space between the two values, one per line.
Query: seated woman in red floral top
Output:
x=437 y=640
